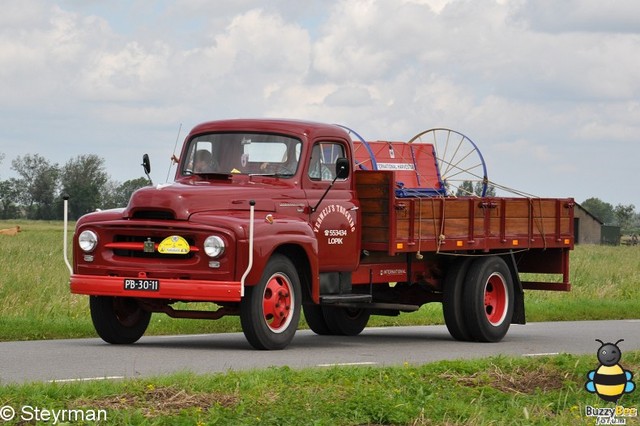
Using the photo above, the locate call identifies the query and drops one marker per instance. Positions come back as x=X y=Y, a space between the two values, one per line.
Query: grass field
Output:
x=35 y=302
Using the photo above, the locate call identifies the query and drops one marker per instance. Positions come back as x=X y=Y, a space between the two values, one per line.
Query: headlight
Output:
x=214 y=246
x=88 y=240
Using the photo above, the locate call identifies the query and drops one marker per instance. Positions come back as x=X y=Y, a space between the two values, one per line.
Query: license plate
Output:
x=141 y=284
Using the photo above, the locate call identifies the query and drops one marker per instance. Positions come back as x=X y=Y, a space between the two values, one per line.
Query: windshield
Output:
x=242 y=153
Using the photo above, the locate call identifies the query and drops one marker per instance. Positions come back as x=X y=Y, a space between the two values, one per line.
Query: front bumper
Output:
x=179 y=290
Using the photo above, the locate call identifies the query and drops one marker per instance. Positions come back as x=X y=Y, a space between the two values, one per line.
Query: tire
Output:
x=118 y=320
x=452 y=305
x=345 y=321
x=488 y=299
x=315 y=319
x=270 y=310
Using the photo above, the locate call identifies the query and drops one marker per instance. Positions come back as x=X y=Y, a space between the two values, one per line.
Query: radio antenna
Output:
x=173 y=156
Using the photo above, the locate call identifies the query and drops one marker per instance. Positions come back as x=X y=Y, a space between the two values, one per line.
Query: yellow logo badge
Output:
x=174 y=244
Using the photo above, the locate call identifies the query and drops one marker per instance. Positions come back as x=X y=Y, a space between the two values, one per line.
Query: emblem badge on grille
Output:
x=149 y=246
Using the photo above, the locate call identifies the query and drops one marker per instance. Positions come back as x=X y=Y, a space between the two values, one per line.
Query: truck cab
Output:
x=189 y=241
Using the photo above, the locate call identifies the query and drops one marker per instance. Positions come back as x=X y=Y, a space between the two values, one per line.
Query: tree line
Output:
x=38 y=190
x=621 y=215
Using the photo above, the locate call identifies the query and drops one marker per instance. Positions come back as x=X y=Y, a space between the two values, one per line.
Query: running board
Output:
x=333 y=299
x=363 y=301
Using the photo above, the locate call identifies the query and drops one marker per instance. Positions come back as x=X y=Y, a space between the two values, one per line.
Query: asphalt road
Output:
x=92 y=359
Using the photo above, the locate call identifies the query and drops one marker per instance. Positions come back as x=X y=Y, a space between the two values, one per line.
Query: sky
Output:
x=549 y=90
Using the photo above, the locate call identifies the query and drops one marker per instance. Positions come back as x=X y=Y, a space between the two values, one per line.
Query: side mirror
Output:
x=146 y=165
x=342 y=172
x=342 y=168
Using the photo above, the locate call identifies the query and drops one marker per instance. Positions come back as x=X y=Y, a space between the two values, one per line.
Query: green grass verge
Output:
x=493 y=391
x=35 y=302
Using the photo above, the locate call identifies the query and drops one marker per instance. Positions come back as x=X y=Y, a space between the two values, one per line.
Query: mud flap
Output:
x=518 y=299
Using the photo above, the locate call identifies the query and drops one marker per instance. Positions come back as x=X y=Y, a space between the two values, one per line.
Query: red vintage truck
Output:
x=270 y=218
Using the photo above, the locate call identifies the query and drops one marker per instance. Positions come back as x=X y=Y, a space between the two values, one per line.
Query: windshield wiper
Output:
x=277 y=175
x=213 y=175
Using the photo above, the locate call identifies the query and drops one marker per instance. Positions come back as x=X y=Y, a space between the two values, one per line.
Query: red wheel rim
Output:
x=496 y=300
x=277 y=301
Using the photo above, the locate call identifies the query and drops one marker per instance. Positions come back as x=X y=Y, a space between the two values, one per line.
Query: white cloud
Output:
x=580 y=15
x=131 y=73
x=349 y=96
x=534 y=151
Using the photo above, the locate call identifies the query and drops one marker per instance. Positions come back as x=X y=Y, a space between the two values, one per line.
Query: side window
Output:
x=323 y=160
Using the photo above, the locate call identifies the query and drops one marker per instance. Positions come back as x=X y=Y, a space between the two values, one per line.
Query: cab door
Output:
x=336 y=220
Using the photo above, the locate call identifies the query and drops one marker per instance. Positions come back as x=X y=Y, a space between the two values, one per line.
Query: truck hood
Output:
x=181 y=200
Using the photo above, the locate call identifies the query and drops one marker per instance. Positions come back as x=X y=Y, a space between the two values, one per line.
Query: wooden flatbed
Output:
x=538 y=231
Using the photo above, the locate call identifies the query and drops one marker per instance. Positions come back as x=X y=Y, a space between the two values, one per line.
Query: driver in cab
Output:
x=204 y=162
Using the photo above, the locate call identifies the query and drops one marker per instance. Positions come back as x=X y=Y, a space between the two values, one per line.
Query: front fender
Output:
x=280 y=235
x=288 y=234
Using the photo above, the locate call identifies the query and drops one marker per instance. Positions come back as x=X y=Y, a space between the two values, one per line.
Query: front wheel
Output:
x=270 y=310
x=118 y=320
x=488 y=299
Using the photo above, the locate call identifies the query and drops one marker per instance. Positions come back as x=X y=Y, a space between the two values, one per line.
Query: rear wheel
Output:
x=315 y=319
x=488 y=299
x=452 y=306
x=270 y=310
x=345 y=321
x=118 y=320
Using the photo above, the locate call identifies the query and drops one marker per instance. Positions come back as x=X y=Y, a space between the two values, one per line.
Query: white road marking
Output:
x=346 y=364
x=543 y=354
x=182 y=336
x=85 y=379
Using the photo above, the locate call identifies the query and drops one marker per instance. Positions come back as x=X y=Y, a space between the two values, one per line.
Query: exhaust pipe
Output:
x=65 y=197
x=252 y=204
